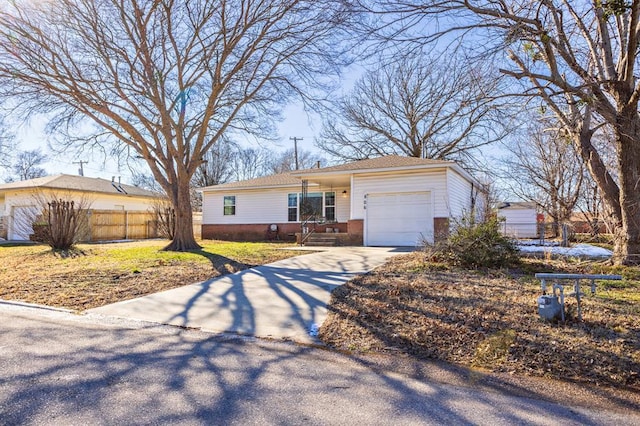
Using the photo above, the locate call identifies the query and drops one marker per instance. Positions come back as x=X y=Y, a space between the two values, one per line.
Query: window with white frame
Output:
x=229 y=205
x=293 y=207
x=318 y=204
x=330 y=206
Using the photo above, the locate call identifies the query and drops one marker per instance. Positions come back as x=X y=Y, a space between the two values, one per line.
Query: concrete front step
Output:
x=327 y=239
x=323 y=242
x=320 y=239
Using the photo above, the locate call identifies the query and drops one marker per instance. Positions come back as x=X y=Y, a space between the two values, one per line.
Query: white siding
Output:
x=262 y=205
x=252 y=206
x=459 y=195
x=94 y=200
x=433 y=180
x=109 y=202
x=519 y=223
x=342 y=204
x=18 y=202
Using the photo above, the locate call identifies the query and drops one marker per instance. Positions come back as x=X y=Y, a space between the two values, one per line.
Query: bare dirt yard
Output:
x=488 y=320
x=93 y=275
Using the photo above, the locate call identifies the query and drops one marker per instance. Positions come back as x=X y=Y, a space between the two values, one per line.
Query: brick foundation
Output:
x=355 y=229
x=440 y=228
x=287 y=231
x=258 y=232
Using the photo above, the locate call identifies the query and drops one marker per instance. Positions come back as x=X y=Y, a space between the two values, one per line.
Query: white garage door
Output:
x=398 y=219
x=21 y=222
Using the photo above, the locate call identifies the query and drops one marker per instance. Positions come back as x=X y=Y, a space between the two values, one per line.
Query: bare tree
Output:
x=285 y=161
x=591 y=204
x=250 y=163
x=7 y=145
x=26 y=165
x=57 y=218
x=166 y=79
x=217 y=166
x=417 y=106
x=145 y=181
x=64 y=220
x=546 y=170
x=591 y=207
x=580 y=58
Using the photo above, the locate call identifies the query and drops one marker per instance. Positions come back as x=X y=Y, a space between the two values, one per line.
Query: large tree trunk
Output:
x=627 y=236
x=183 y=238
x=600 y=174
x=611 y=193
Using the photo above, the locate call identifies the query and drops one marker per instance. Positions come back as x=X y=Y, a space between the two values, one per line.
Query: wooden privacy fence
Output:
x=105 y=225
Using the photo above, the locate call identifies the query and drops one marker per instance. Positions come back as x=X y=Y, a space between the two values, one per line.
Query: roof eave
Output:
x=216 y=188
x=468 y=176
x=61 y=188
x=319 y=174
x=376 y=170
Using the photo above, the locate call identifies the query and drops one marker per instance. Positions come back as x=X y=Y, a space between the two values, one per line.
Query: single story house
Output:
x=520 y=219
x=385 y=201
x=21 y=202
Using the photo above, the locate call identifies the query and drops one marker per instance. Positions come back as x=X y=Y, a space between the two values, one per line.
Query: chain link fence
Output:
x=580 y=231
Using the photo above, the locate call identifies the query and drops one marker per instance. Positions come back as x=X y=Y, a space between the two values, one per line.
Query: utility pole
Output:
x=295 y=149
x=81 y=169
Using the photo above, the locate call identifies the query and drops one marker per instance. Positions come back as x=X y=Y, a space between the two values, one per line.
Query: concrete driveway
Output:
x=282 y=300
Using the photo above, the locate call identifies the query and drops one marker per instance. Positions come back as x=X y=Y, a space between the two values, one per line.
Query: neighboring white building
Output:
x=386 y=201
x=21 y=201
x=520 y=219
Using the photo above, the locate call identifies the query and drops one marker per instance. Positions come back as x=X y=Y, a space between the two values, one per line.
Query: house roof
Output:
x=517 y=205
x=272 y=181
x=77 y=183
x=386 y=162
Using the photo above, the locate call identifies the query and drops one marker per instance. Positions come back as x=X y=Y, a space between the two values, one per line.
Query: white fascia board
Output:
x=453 y=166
x=247 y=188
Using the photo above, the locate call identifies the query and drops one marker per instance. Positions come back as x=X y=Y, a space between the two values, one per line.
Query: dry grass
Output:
x=483 y=320
x=96 y=275
x=489 y=320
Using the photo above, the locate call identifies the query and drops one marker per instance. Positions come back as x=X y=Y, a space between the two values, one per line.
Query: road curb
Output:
x=36 y=306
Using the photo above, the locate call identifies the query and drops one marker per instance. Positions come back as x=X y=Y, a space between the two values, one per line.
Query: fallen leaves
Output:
x=484 y=319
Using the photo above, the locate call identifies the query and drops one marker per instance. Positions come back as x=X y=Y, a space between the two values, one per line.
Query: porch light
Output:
x=344 y=193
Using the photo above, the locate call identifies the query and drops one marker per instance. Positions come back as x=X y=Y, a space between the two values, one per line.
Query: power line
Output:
x=295 y=149
x=81 y=162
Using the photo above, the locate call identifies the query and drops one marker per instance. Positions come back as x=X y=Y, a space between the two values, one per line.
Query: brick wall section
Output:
x=258 y=232
x=355 y=228
x=440 y=228
x=287 y=231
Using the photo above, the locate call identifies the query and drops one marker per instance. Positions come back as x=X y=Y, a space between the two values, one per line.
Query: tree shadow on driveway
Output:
x=58 y=369
x=281 y=300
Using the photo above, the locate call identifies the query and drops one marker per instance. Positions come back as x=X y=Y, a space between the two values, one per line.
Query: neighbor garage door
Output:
x=21 y=222
x=398 y=219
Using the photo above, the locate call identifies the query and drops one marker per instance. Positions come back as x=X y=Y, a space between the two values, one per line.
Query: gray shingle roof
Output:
x=78 y=183
x=295 y=178
x=386 y=162
x=283 y=179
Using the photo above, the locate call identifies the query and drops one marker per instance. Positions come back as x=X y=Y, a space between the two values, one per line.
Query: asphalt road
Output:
x=59 y=368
